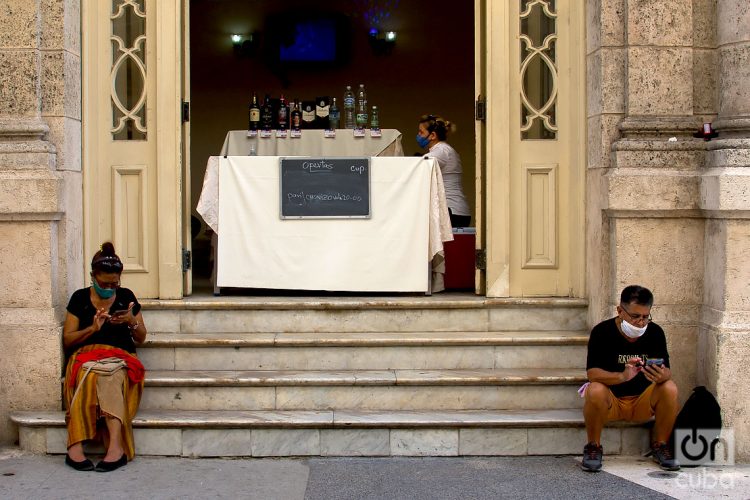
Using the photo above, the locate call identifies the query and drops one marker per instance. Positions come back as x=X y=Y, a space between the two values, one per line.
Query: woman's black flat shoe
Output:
x=110 y=466
x=83 y=465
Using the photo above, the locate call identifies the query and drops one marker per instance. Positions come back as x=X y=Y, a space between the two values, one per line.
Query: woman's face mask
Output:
x=422 y=141
x=104 y=290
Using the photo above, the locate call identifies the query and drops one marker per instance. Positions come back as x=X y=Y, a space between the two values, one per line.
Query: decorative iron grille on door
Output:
x=538 y=70
x=128 y=74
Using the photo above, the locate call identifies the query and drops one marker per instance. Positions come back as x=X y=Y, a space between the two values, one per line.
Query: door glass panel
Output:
x=538 y=69
x=128 y=74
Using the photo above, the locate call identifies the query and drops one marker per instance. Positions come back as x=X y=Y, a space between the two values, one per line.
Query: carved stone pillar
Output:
x=40 y=197
x=724 y=348
x=651 y=206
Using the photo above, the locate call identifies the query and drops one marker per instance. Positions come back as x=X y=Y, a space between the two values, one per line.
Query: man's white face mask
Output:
x=632 y=331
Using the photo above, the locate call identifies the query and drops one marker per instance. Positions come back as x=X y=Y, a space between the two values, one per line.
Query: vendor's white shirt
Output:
x=450 y=167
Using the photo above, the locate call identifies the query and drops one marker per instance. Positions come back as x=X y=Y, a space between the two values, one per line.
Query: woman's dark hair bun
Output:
x=108 y=248
x=106 y=260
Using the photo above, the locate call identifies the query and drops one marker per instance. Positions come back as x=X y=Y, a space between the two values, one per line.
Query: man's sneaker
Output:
x=592 y=457
x=663 y=456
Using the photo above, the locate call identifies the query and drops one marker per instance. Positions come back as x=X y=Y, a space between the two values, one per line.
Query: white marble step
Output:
x=265 y=378
x=369 y=390
x=366 y=339
x=362 y=314
x=363 y=358
x=485 y=397
x=364 y=350
x=346 y=433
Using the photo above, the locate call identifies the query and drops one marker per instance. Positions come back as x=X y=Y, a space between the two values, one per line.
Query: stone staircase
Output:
x=440 y=375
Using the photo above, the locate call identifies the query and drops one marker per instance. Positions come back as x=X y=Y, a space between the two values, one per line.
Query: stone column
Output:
x=651 y=199
x=724 y=349
x=40 y=197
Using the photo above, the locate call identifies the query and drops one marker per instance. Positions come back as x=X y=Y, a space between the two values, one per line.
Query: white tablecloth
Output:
x=391 y=251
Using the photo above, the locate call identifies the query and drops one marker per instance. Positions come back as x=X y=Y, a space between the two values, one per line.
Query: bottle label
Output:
x=349 y=102
x=322 y=111
x=255 y=115
x=308 y=116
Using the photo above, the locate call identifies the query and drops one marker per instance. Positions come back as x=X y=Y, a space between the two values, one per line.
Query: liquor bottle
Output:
x=375 y=119
x=361 y=107
x=334 y=116
x=349 y=107
x=308 y=114
x=266 y=114
x=296 y=116
x=322 y=110
x=254 y=114
x=283 y=114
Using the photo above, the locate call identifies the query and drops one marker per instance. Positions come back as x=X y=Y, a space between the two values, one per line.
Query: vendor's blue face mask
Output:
x=422 y=141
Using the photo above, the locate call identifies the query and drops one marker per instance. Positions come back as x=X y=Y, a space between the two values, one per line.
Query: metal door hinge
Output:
x=187 y=260
x=480 y=258
x=480 y=109
x=185 y=111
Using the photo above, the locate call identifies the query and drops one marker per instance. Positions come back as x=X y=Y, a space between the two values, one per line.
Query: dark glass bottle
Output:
x=296 y=116
x=254 y=114
x=283 y=114
x=266 y=114
x=334 y=116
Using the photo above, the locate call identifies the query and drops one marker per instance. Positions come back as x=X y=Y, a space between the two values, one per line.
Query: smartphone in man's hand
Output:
x=654 y=362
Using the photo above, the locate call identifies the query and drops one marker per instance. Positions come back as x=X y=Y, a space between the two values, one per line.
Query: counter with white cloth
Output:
x=314 y=143
x=389 y=252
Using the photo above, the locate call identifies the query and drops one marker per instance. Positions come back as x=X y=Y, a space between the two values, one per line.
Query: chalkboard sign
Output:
x=325 y=188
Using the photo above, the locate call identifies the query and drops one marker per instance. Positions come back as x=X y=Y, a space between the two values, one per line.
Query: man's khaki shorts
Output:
x=632 y=408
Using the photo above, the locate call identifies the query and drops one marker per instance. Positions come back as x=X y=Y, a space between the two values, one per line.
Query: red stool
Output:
x=459 y=259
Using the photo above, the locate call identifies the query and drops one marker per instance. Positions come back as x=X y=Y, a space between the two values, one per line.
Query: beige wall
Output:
x=40 y=197
x=431 y=70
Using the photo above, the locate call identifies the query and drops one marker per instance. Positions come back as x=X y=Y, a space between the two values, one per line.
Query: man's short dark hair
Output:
x=638 y=295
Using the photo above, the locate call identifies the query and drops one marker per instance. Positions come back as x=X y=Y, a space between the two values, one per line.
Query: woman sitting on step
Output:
x=103 y=378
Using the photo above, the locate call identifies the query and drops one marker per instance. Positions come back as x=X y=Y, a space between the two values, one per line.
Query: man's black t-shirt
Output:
x=610 y=350
x=81 y=307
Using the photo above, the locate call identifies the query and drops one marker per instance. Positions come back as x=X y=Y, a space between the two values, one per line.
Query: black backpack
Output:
x=701 y=412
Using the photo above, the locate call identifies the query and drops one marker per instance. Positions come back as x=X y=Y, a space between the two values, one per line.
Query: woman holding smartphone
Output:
x=103 y=322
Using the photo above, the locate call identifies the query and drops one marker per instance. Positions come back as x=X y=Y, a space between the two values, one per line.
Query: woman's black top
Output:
x=81 y=307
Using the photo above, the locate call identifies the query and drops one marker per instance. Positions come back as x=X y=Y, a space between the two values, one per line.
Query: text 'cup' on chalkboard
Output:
x=325 y=188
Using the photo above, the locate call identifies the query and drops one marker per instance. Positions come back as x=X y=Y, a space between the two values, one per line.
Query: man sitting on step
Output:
x=629 y=378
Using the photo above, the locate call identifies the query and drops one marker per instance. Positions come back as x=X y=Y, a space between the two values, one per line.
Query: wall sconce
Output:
x=382 y=43
x=245 y=45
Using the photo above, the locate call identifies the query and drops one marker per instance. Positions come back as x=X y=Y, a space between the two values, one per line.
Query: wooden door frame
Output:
x=169 y=146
